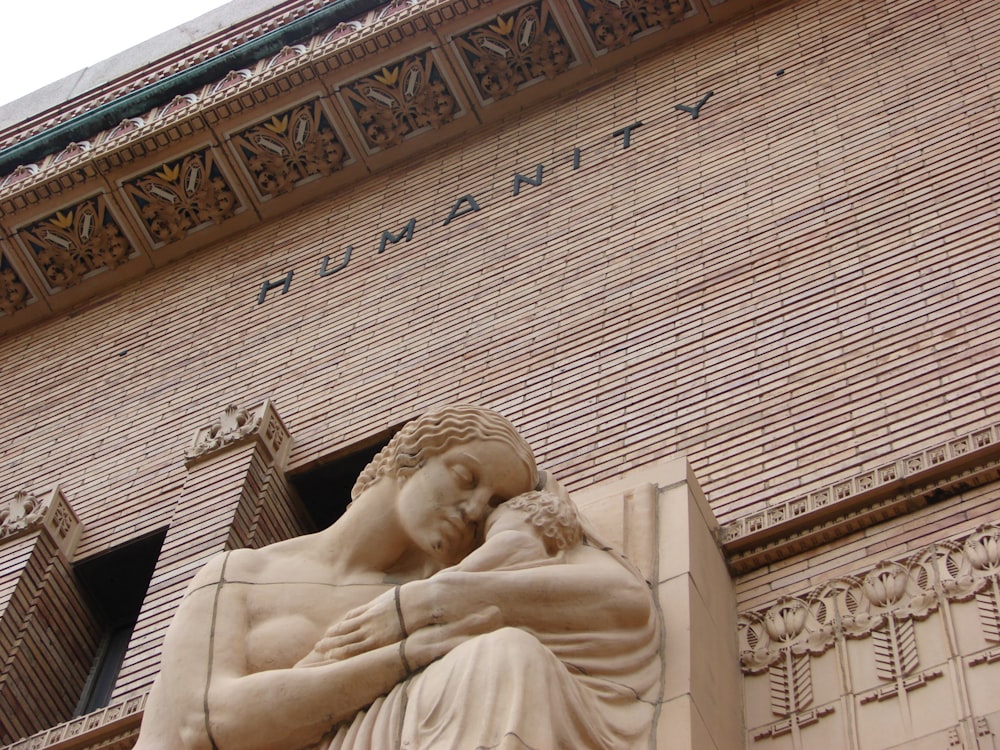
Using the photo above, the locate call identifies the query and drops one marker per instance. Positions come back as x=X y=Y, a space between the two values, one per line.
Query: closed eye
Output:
x=467 y=477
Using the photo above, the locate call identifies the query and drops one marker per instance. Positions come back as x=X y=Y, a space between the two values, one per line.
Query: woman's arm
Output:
x=590 y=592
x=206 y=699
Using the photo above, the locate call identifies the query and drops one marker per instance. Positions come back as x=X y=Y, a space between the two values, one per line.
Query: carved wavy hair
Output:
x=557 y=519
x=433 y=434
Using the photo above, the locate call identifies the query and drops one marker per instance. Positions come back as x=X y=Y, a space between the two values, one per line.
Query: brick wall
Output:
x=792 y=288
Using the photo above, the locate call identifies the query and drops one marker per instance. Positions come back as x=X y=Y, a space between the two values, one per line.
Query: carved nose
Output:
x=473 y=508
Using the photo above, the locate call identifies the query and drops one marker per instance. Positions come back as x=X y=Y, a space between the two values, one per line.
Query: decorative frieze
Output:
x=615 y=23
x=182 y=196
x=517 y=48
x=14 y=293
x=401 y=99
x=77 y=242
x=104 y=728
x=892 y=489
x=236 y=426
x=289 y=148
x=873 y=619
x=365 y=115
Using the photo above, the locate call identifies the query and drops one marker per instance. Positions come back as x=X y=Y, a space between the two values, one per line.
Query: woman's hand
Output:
x=434 y=641
x=378 y=623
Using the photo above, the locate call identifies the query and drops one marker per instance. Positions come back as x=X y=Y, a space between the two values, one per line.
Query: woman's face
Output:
x=441 y=506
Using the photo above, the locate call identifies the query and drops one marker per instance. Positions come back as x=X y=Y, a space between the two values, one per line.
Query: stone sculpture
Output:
x=377 y=633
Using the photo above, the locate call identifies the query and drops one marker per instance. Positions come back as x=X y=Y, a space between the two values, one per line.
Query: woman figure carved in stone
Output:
x=345 y=638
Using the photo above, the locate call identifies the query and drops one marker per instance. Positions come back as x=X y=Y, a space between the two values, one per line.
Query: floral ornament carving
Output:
x=76 y=242
x=27 y=512
x=884 y=604
x=182 y=196
x=400 y=100
x=290 y=147
x=781 y=641
x=14 y=294
x=232 y=426
x=972 y=571
x=877 y=610
x=513 y=50
x=615 y=23
x=237 y=425
x=20 y=513
x=20 y=174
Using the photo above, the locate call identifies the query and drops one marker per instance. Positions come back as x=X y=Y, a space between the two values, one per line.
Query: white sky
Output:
x=45 y=40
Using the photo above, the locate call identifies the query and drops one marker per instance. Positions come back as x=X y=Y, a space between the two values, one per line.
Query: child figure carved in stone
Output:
x=527 y=530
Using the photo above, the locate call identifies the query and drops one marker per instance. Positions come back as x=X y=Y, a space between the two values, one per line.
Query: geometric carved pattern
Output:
x=118 y=712
x=615 y=23
x=400 y=100
x=899 y=486
x=14 y=293
x=524 y=46
x=289 y=148
x=181 y=196
x=71 y=244
x=791 y=685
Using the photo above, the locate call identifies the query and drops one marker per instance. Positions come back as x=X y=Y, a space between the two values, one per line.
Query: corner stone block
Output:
x=667 y=529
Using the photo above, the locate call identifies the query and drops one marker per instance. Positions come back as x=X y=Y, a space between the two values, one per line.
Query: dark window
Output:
x=116 y=583
x=325 y=487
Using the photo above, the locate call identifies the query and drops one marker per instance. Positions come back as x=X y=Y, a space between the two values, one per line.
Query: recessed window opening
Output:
x=325 y=488
x=115 y=583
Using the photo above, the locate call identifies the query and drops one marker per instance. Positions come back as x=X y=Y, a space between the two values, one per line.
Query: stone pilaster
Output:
x=235 y=495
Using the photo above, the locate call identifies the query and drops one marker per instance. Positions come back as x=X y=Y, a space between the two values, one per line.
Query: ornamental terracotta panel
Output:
x=14 y=293
x=399 y=101
x=182 y=196
x=514 y=50
x=907 y=633
x=612 y=24
x=292 y=147
x=77 y=242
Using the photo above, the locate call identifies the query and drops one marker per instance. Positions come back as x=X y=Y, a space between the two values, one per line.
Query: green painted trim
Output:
x=107 y=116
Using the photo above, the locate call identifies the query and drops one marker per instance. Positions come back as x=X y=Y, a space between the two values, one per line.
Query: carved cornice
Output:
x=26 y=512
x=237 y=426
x=110 y=728
x=371 y=92
x=863 y=500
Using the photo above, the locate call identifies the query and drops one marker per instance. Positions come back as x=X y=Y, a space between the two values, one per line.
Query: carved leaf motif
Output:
x=182 y=196
x=791 y=685
x=614 y=23
x=781 y=690
x=290 y=148
x=75 y=242
x=399 y=100
x=895 y=649
x=514 y=50
x=989 y=614
x=13 y=292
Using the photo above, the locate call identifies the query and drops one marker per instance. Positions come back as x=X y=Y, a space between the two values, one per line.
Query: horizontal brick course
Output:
x=793 y=288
